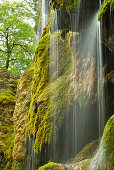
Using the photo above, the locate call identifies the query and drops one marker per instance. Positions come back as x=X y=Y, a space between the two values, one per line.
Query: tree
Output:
x=17 y=37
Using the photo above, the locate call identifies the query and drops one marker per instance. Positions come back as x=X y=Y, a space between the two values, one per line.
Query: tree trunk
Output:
x=7 y=64
x=8 y=53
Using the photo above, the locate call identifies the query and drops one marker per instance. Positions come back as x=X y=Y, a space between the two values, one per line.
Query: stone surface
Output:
x=23 y=99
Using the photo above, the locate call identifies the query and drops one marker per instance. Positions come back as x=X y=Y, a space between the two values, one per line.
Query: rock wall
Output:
x=23 y=100
x=8 y=84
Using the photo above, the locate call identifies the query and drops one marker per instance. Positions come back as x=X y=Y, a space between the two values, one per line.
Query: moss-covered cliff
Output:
x=23 y=99
x=104 y=157
x=107 y=5
x=44 y=98
x=8 y=84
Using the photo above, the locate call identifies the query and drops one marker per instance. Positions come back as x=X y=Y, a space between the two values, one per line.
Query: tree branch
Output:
x=22 y=46
x=13 y=59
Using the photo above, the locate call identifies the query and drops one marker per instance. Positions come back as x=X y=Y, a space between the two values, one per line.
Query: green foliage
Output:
x=50 y=166
x=17 y=37
x=36 y=8
x=107 y=4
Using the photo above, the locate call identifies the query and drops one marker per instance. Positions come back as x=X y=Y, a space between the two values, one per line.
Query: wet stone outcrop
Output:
x=104 y=157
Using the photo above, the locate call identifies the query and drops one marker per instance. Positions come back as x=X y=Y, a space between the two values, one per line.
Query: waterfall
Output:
x=85 y=121
x=54 y=45
x=31 y=156
x=77 y=103
x=101 y=95
x=45 y=14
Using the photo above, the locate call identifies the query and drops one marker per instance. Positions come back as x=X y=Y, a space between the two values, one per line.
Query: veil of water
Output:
x=77 y=35
x=101 y=96
x=85 y=121
x=45 y=13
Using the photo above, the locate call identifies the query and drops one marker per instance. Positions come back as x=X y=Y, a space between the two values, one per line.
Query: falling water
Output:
x=101 y=96
x=31 y=156
x=54 y=46
x=85 y=121
x=100 y=158
x=83 y=113
x=45 y=14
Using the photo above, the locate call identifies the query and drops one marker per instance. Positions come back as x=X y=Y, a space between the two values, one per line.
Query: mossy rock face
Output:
x=42 y=120
x=107 y=5
x=87 y=152
x=104 y=157
x=106 y=17
x=23 y=99
x=49 y=166
x=8 y=84
x=67 y=5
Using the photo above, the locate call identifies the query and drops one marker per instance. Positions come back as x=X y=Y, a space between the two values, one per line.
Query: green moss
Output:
x=104 y=157
x=7 y=138
x=85 y=164
x=107 y=5
x=51 y=111
x=50 y=166
x=68 y=5
x=8 y=83
x=112 y=5
x=7 y=97
x=107 y=141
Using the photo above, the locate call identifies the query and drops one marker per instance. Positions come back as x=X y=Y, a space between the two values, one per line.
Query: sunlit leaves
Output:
x=17 y=37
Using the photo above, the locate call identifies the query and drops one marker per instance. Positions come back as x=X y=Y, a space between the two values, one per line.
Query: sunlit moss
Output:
x=85 y=164
x=107 y=5
x=7 y=97
x=42 y=124
x=107 y=141
x=68 y=5
x=49 y=166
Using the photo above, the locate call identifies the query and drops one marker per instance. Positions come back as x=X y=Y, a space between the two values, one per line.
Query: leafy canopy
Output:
x=17 y=37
